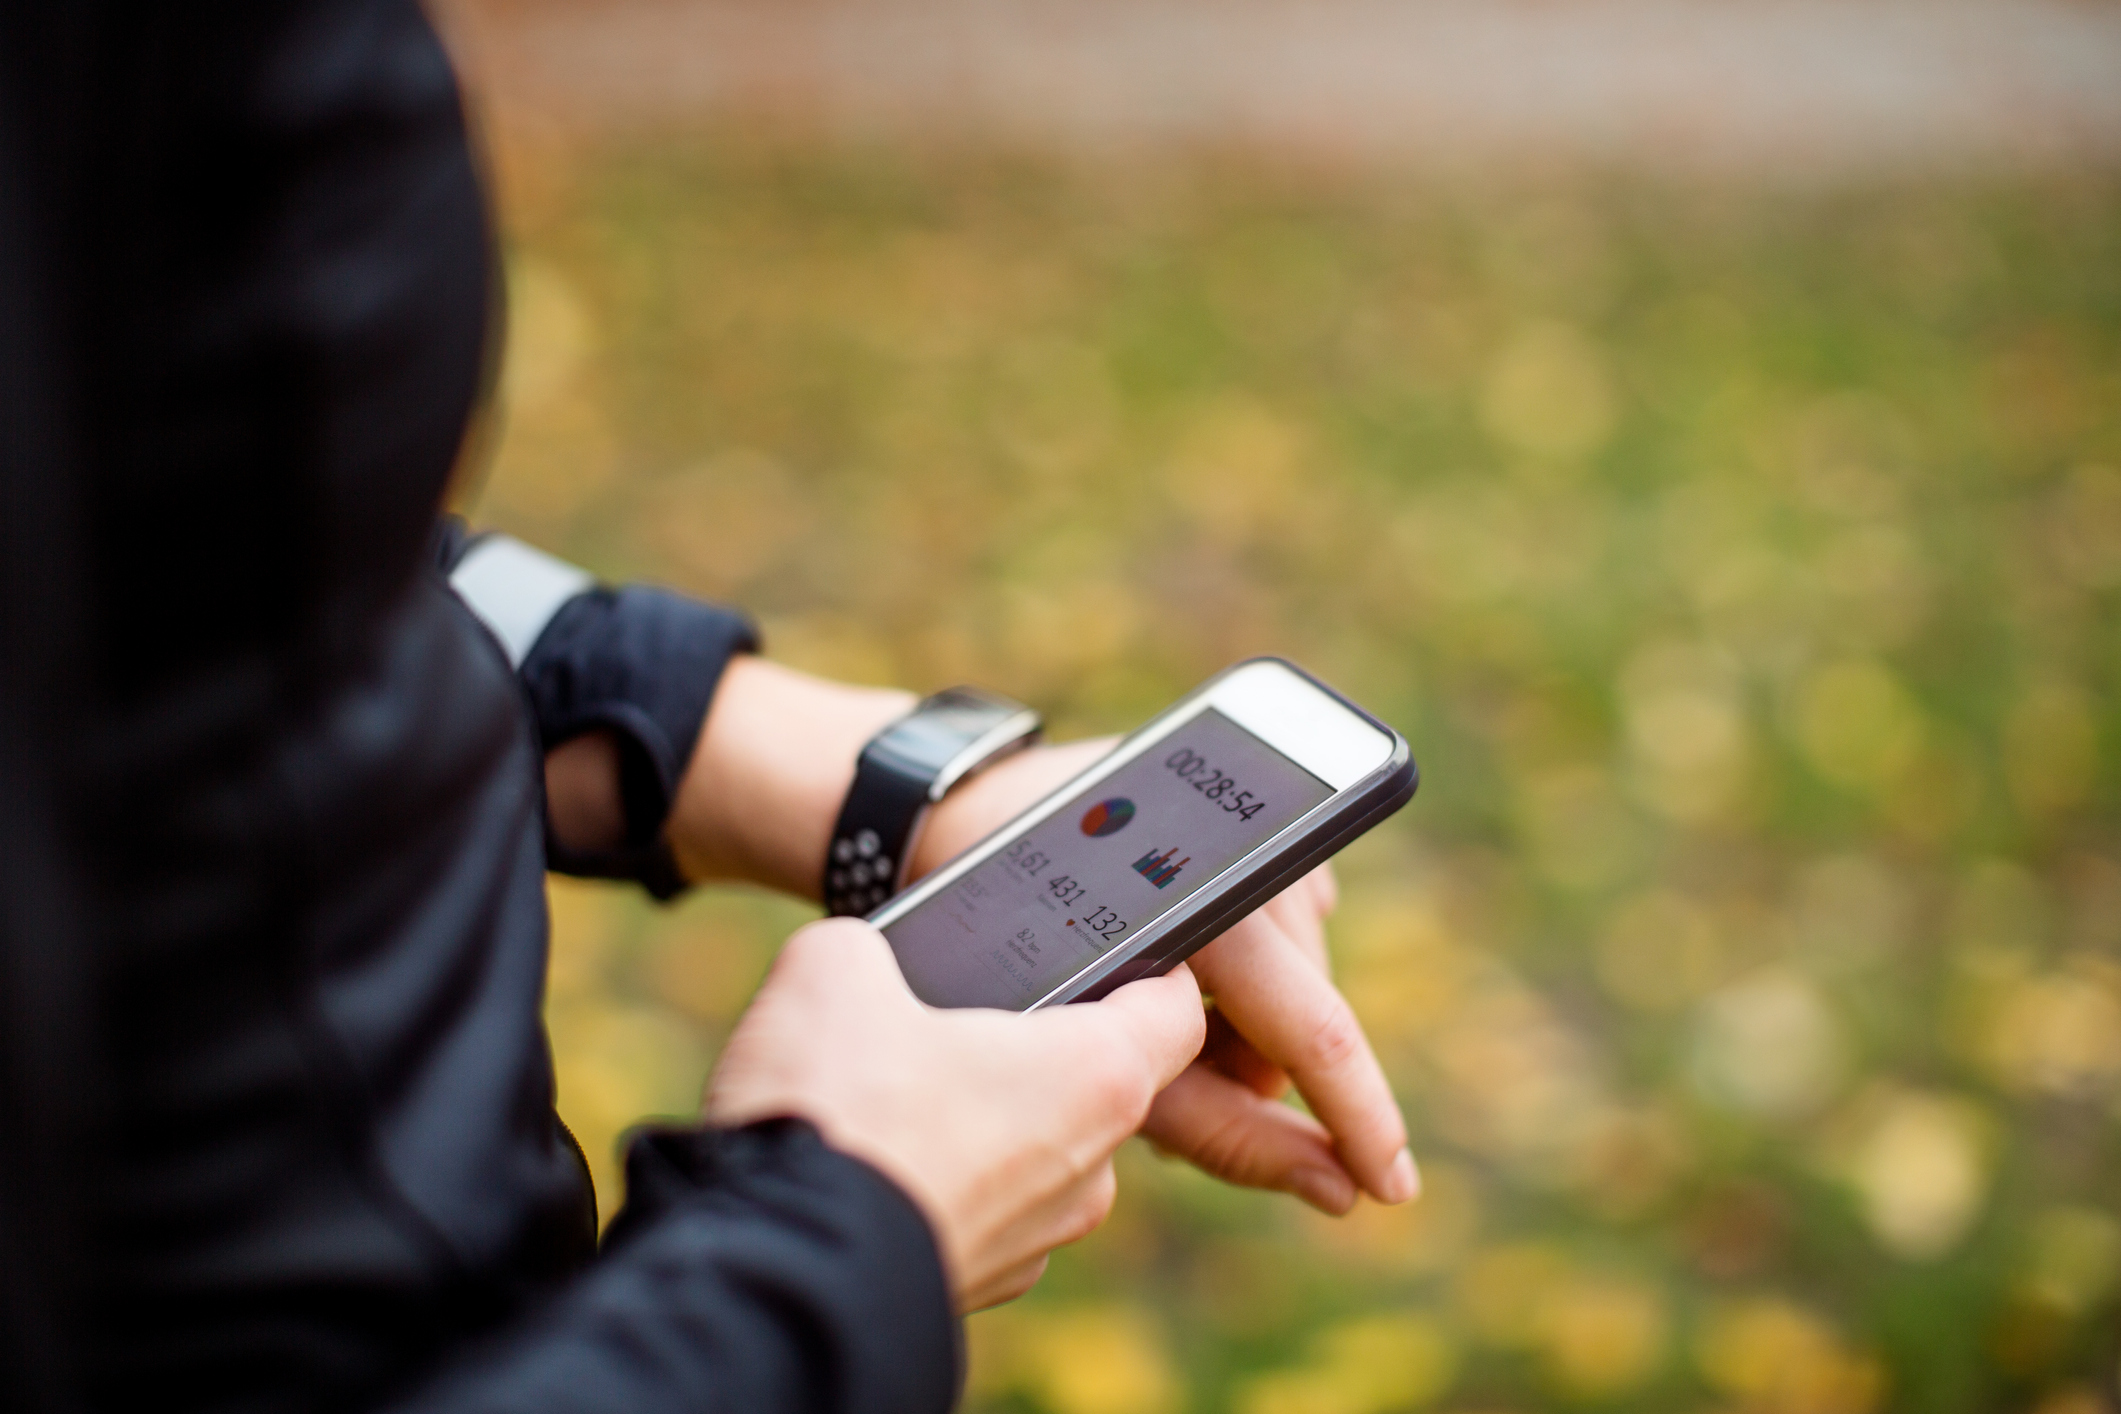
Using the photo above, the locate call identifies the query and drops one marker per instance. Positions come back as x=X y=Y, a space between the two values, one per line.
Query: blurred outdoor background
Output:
x=1696 y=426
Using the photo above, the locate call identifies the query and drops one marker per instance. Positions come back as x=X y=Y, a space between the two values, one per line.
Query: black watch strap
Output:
x=903 y=770
x=870 y=840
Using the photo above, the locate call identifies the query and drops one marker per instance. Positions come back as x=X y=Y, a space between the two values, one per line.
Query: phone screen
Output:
x=1095 y=873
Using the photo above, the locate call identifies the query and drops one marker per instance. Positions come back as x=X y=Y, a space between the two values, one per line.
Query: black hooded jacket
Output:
x=276 y=1108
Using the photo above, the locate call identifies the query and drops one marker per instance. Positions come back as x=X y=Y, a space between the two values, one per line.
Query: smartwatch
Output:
x=904 y=769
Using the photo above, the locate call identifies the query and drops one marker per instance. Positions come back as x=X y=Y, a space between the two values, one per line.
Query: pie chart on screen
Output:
x=1108 y=817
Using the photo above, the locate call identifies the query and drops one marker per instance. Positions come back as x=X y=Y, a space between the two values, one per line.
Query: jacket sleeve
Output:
x=752 y=1269
x=642 y=663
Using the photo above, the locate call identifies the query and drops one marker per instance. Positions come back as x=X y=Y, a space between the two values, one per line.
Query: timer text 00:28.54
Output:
x=1213 y=784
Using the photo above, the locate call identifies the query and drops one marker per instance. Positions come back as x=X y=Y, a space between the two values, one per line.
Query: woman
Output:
x=279 y=809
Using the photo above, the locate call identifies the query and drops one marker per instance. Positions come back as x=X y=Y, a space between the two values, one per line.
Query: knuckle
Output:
x=1227 y=1150
x=1335 y=1037
x=1133 y=1102
x=1196 y=1029
x=1117 y=1086
x=1090 y=1211
x=1022 y=1279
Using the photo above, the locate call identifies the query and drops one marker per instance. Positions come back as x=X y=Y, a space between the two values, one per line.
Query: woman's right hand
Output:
x=1000 y=1126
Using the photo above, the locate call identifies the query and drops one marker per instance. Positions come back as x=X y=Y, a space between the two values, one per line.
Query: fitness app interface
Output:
x=1102 y=868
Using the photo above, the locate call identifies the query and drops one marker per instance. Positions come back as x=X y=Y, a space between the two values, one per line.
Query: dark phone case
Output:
x=1225 y=902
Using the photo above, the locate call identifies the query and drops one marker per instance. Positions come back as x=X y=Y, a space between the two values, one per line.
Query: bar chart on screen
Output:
x=1158 y=868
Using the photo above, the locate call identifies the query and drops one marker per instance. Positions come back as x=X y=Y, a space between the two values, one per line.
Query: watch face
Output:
x=944 y=726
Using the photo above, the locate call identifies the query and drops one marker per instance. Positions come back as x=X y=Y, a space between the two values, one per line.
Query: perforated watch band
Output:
x=873 y=836
x=902 y=771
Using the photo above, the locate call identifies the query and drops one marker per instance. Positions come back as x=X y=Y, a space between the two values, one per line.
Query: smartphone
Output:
x=1217 y=804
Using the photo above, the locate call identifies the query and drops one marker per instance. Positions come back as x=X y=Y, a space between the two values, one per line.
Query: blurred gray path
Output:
x=1747 y=87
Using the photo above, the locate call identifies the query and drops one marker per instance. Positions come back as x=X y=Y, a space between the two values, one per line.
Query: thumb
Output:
x=1163 y=1017
x=842 y=954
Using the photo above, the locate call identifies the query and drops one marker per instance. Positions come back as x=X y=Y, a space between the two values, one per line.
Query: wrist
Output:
x=774 y=760
x=583 y=807
x=992 y=798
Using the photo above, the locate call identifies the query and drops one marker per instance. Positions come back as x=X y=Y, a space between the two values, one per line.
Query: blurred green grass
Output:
x=1744 y=569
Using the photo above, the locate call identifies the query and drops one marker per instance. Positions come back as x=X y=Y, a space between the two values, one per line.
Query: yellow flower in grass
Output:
x=1922 y=1173
x=2059 y=1032
x=1773 y=1356
x=1597 y=1334
x=1106 y=1359
x=1769 y=1044
x=1365 y=1366
x=1603 y=1335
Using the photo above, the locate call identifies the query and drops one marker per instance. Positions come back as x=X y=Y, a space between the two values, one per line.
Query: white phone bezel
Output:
x=1280 y=706
x=1302 y=721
